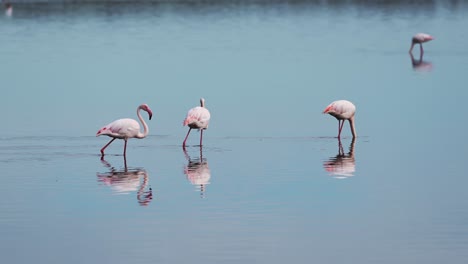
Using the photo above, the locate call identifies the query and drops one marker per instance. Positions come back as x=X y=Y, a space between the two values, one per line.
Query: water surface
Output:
x=271 y=183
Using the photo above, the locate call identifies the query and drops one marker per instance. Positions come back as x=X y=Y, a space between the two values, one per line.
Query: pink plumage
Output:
x=197 y=118
x=126 y=128
x=342 y=110
x=420 y=38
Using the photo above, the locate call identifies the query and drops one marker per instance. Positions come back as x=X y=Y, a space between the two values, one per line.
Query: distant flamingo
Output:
x=342 y=110
x=198 y=118
x=126 y=128
x=8 y=8
x=420 y=38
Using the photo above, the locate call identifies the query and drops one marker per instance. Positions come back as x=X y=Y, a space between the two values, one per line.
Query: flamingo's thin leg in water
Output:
x=103 y=148
x=125 y=148
x=340 y=127
x=201 y=137
x=183 y=144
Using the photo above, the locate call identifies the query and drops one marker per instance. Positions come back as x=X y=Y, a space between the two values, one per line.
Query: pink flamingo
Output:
x=342 y=110
x=8 y=9
x=420 y=38
x=198 y=118
x=126 y=128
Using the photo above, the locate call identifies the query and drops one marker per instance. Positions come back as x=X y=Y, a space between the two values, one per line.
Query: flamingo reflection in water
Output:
x=125 y=181
x=342 y=165
x=420 y=65
x=197 y=171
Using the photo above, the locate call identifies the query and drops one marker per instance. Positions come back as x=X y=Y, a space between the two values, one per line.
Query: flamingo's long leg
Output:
x=183 y=144
x=125 y=148
x=103 y=148
x=340 y=127
x=201 y=137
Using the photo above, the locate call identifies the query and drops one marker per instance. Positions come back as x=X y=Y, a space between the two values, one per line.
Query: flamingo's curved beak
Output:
x=150 y=113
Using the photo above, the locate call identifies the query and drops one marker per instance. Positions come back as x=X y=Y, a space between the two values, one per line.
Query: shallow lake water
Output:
x=272 y=183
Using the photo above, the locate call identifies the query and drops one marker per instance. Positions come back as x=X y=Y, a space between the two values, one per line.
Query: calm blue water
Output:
x=272 y=184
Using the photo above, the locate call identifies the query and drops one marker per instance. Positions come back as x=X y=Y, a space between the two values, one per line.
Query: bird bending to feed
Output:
x=197 y=118
x=342 y=110
x=126 y=128
x=420 y=38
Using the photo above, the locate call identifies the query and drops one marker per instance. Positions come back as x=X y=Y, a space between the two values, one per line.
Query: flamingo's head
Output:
x=146 y=108
x=328 y=109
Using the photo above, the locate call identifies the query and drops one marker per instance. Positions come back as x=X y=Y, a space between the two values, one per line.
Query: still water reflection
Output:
x=420 y=64
x=197 y=171
x=267 y=70
x=343 y=165
x=126 y=181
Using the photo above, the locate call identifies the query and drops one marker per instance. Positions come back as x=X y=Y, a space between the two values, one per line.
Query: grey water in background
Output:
x=271 y=184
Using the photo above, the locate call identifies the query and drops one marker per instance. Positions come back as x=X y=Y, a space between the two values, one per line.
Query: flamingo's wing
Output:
x=423 y=37
x=199 y=115
x=341 y=107
x=124 y=127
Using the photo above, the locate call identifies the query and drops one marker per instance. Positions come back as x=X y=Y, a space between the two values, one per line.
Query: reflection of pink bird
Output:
x=420 y=65
x=342 y=165
x=197 y=171
x=420 y=38
x=198 y=118
x=342 y=110
x=126 y=180
x=126 y=128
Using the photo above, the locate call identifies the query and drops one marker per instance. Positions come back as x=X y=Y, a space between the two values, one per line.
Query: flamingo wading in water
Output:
x=126 y=128
x=342 y=110
x=197 y=118
x=420 y=38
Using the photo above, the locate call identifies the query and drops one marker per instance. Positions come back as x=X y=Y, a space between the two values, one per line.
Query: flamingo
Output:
x=198 y=118
x=8 y=9
x=420 y=38
x=342 y=110
x=126 y=128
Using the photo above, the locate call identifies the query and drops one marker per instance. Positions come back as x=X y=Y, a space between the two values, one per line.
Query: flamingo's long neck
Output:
x=145 y=126
x=353 y=129
x=411 y=48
